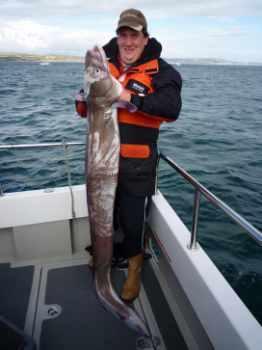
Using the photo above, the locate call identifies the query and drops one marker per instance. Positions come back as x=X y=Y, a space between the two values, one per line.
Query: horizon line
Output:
x=16 y=53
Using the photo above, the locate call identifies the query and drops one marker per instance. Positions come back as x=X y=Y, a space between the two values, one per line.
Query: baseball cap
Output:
x=133 y=19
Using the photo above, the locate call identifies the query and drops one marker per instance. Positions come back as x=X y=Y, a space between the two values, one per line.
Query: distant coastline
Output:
x=39 y=58
x=210 y=61
x=78 y=59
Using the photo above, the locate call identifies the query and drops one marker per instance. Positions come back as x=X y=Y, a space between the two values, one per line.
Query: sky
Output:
x=223 y=29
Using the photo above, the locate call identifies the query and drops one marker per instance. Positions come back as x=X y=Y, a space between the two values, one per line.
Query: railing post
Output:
x=69 y=181
x=193 y=241
x=67 y=163
x=1 y=191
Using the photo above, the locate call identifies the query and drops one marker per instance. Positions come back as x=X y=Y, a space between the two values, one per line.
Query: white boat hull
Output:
x=39 y=226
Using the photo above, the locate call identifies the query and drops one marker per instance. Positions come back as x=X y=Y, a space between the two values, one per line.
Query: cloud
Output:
x=219 y=8
x=189 y=28
x=30 y=36
x=23 y=35
x=231 y=43
x=40 y=8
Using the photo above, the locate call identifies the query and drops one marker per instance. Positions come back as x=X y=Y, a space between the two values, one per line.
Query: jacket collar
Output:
x=152 y=51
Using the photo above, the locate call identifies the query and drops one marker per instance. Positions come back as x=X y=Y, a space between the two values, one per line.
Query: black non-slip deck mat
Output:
x=15 y=288
x=83 y=323
x=12 y=338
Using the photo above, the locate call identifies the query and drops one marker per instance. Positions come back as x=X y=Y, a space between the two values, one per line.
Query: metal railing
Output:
x=199 y=190
x=63 y=144
x=42 y=145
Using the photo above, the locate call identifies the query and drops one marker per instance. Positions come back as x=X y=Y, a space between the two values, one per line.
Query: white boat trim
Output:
x=206 y=288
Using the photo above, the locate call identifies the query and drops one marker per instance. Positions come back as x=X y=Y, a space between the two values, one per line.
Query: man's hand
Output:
x=124 y=101
x=81 y=105
x=125 y=96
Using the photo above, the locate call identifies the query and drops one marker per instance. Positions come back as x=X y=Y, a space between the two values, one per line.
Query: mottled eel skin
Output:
x=102 y=172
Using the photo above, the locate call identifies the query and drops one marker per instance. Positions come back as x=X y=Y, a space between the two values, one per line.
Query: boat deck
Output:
x=56 y=304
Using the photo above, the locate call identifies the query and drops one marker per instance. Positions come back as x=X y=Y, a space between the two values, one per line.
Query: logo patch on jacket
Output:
x=137 y=86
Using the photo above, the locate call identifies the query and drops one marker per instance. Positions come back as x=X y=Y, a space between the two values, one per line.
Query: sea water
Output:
x=217 y=138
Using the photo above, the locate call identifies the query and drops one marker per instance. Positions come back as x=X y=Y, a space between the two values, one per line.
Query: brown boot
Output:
x=131 y=287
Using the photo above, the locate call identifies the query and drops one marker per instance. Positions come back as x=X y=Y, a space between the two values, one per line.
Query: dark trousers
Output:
x=130 y=214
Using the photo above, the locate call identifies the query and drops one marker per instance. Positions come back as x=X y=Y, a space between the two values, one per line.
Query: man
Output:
x=152 y=89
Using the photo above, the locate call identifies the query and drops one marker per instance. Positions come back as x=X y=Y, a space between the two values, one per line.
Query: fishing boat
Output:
x=47 y=298
x=44 y=63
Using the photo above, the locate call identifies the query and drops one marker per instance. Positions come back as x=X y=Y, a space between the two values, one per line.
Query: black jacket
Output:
x=138 y=176
x=167 y=83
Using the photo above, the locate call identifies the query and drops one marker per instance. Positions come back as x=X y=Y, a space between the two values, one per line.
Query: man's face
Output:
x=131 y=44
